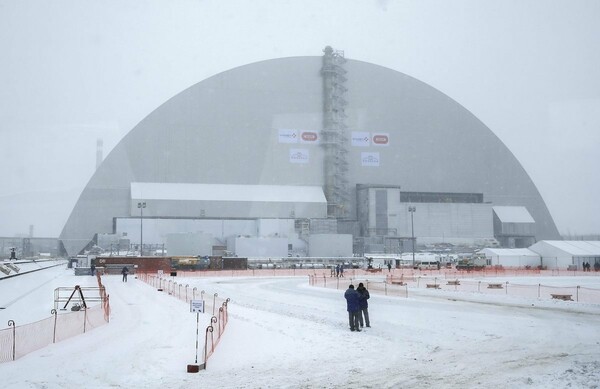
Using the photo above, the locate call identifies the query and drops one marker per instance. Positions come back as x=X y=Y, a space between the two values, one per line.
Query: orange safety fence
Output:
x=490 y=271
x=19 y=340
x=400 y=285
x=213 y=304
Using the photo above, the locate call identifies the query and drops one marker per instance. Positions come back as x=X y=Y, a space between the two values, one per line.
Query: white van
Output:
x=429 y=265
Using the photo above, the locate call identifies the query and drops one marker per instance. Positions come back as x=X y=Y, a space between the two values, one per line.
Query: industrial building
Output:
x=319 y=156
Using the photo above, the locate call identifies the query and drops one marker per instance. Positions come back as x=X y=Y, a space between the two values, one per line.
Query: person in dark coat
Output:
x=353 y=307
x=93 y=268
x=363 y=304
x=125 y=271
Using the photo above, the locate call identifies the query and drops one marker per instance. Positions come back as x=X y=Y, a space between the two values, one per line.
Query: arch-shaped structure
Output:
x=229 y=129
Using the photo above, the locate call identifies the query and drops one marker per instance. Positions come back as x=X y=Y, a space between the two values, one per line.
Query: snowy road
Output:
x=284 y=333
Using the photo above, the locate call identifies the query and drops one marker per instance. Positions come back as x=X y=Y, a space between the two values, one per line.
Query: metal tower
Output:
x=334 y=138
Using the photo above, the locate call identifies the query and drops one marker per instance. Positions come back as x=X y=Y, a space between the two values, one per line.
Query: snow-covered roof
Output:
x=576 y=247
x=508 y=214
x=509 y=252
x=224 y=192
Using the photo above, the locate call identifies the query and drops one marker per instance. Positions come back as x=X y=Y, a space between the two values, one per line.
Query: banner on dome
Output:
x=369 y=159
x=361 y=139
x=288 y=136
x=299 y=155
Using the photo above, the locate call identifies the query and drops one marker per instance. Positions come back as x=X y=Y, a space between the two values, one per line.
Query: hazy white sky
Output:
x=74 y=71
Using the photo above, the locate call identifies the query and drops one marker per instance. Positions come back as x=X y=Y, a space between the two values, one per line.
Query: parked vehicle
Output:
x=428 y=265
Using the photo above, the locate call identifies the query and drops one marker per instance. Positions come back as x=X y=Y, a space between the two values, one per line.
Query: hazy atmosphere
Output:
x=73 y=72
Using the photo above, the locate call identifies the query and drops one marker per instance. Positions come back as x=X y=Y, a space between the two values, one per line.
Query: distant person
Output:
x=93 y=268
x=389 y=267
x=342 y=271
x=13 y=254
x=353 y=307
x=364 y=305
x=125 y=271
x=337 y=270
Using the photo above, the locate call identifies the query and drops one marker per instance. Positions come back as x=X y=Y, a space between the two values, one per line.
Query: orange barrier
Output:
x=17 y=341
x=398 y=285
x=214 y=304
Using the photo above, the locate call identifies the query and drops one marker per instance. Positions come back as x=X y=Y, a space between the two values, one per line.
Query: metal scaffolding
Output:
x=334 y=138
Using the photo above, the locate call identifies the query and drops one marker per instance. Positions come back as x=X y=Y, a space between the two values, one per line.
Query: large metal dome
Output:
x=224 y=130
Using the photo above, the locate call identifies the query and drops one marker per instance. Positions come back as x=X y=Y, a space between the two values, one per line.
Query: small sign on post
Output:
x=196 y=306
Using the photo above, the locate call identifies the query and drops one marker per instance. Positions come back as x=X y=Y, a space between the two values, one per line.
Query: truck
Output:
x=474 y=262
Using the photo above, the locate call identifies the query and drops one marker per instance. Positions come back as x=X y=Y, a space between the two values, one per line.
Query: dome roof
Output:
x=227 y=130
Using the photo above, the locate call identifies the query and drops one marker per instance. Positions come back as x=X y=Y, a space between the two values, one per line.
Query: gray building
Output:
x=298 y=124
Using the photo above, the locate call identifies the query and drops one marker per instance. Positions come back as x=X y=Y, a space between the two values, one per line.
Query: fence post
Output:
x=214 y=302
x=479 y=286
x=84 y=317
x=385 y=287
x=577 y=298
x=506 y=287
x=208 y=329
x=324 y=281
x=53 y=312
x=406 y=286
x=214 y=320
x=186 y=289
x=539 y=287
x=11 y=323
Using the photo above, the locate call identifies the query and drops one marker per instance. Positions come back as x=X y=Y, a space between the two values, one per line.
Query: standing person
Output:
x=337 y=270
x=389 y=266
x=93 y=268
x=342 y=271
x=353 y=307
x=363 y=304
x=125 y=271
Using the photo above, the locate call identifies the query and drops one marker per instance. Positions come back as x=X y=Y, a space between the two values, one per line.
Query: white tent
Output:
x=565 y=253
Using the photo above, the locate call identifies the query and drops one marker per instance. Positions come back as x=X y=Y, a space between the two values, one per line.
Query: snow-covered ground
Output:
x=284 y=333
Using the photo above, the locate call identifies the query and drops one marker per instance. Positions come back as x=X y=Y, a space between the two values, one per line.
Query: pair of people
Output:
x=357 y=307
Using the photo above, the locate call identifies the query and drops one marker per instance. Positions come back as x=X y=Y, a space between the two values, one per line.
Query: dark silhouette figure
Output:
x=363 y=304
x=353 y=307
x=125 y=271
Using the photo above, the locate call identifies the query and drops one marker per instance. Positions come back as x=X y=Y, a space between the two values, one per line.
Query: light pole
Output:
x=412 y=209
x=141 y=206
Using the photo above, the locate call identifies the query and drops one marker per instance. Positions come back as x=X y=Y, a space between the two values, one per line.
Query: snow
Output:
x=283 y=333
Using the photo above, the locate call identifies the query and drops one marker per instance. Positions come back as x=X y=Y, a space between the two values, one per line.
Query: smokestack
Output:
x=99 y=144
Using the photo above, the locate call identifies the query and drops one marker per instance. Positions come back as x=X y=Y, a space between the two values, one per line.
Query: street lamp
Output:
x=412 y=209
x=141 y=206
